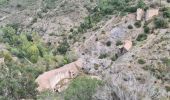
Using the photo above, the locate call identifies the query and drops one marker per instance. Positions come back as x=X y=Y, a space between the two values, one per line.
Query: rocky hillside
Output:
x=123 y=46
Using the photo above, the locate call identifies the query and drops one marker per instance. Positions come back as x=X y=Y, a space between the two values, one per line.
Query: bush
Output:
x=102 y=56
x=108 y=43
x=141 y=37
x=48 y=95
x=18 y=83
x=2 y=2
x=8 y=34
x=138 y=24
x=166 y=12
x=81 y=88
x=118 y=43
x=141 y=4
x=71 y=56
x=161 y=23
x=63 y=47
x=131 y=9
x=130 y=27
x=60 y=60
x=166 y=61
x=141 y=61
x=15 y=26
x=33 y=53
x=114 y=57
x=7 y=57
x=146 y=29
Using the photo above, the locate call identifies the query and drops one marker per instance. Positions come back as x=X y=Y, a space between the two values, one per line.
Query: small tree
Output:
x=82 y=88
x=141 y=4
x=141 y=61
x=8 y=35
x=161 y=23
x=63 y=47
x=141 y=37
x=166 y=12
x=33 y=53
x=138 y=24
x=17 y=83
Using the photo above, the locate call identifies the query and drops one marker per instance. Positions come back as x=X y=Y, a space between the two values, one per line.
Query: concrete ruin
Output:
x=139 y=14
x=125 y=48
x=150 y=13
x=58 y=79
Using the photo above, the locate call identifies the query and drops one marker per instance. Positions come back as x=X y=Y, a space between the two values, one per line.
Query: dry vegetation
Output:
x=38 y=36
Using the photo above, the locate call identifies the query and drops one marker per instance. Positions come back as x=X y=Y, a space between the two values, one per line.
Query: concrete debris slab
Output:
x=150 y=13
x=139 y=14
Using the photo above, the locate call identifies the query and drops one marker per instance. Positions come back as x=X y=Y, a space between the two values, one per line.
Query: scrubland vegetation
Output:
x=26 y=55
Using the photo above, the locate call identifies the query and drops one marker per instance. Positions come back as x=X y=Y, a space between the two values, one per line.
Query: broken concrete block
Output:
x=139 y=14
x=150 y=13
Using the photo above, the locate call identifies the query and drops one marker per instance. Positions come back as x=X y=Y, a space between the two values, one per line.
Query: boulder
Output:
x=139 y=14
x=150 y=13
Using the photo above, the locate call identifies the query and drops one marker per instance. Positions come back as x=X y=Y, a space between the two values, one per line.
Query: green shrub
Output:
x=7 y=57
x=166 y=12
x=138 y=24
x=166 y=61
x=71 y=56
x=8 y=34
x=131 y=9
x=60 y=60
x=49 y=4
x=118 y=43
x=18 y=82
x=130 y=27
x=33 y=53
x=141 y=37
x=48 y=95
x=108 y=43
x=141 y=61
x=15 y=26
x=114 y=57
x=81 y=88
x=141 y=4
x=161 y=23
x=146 y=29
x=34 y=20
x=2 y=2
x=167 y=87
x=102 y=56
x=15 y=52
x=63 y=47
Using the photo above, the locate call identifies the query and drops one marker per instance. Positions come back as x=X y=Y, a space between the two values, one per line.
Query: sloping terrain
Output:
x=43 y=35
